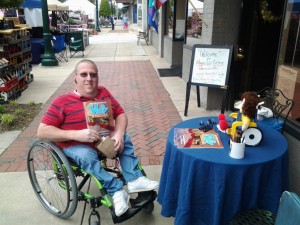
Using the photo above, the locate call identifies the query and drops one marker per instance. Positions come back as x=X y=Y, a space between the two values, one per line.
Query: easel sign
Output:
x=210 y=67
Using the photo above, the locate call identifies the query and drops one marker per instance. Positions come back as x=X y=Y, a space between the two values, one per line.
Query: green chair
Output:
x=76 y=44
x=287 y=214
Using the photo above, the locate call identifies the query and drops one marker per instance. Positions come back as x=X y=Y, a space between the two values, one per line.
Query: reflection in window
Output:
x=170 y=13
x=292 y=56
x=194 y=23
x=288 y=72
x=175 y=26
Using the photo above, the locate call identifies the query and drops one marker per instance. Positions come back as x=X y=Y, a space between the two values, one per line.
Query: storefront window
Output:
x=170 y=21
x=139 y=11
x=288 y=71
x=176 y=21
x=193 y=21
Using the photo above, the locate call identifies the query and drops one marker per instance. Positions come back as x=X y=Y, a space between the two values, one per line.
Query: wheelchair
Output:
x=252 y=136
x=54 y=179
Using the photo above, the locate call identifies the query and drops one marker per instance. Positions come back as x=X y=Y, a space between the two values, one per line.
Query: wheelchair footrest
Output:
x=143 y=199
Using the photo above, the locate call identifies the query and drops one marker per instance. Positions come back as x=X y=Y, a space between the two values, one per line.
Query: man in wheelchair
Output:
x=65 y=123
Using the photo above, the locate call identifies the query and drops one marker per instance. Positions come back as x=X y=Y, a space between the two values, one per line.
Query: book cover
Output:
x=196 y=138
x=99 y=116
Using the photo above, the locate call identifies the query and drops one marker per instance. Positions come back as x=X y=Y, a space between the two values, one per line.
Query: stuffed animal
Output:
x=248 y=109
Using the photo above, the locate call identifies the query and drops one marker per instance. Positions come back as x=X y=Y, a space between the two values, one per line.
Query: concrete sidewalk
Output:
x=19 y=205
x=115 y=53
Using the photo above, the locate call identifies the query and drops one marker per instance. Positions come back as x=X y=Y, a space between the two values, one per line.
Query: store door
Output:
x=134 y=17
x=258 y=41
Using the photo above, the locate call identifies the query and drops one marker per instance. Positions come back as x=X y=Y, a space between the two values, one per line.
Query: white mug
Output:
x=237 y=150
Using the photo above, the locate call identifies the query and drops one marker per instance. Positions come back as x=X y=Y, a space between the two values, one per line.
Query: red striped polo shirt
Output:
x=67 y=112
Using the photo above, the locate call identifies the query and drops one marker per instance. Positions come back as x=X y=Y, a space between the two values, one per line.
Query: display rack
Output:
x=15 y=61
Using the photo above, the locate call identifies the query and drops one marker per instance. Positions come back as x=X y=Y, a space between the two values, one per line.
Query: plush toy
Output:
x=223 y=125
x=248 y=108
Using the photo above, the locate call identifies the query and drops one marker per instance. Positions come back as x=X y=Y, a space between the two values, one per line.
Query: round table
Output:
x=206 y=186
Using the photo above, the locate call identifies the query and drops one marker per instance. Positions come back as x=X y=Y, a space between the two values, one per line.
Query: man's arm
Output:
x=121 y=124
x=120 y=129
x=52 y=133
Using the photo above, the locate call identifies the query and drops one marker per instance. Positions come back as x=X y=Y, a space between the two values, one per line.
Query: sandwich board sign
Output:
x=210 y=67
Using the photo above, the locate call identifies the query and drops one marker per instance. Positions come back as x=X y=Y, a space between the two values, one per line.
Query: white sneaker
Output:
x=120 y=200
x=141 y=184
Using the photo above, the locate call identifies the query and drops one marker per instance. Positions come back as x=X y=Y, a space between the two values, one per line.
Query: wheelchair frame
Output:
x=52 y=176
x=248 y=134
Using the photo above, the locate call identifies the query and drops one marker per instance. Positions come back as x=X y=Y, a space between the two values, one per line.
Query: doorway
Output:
x=258 y=45
x=134 y=12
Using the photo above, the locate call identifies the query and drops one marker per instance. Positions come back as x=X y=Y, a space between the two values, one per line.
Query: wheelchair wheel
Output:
x=252 y=136
x=52 y=179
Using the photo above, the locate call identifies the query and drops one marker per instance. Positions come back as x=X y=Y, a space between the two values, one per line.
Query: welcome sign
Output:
x=210 y=67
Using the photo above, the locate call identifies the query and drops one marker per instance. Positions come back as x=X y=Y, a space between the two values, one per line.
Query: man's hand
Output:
x=119 y=141
x=120 y=129
x=86 y=135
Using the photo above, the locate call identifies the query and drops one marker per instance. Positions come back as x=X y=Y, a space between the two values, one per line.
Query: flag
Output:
x=153 y=8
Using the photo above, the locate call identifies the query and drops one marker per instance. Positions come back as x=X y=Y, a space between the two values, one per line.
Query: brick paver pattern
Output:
x=150 y=110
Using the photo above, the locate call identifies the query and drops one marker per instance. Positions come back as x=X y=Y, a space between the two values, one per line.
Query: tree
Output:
x=105 y=8
x=113 y=9
x=10 y=4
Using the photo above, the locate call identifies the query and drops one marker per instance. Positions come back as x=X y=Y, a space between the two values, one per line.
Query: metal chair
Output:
x=60 y=47
x=280 y=106
x=143 y=35
x=287 y=214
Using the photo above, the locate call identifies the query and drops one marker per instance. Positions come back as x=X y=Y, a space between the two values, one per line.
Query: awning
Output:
x=32 y=4
x=53 y=5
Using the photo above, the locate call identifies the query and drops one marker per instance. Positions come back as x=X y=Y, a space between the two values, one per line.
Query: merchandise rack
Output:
x=15 y=62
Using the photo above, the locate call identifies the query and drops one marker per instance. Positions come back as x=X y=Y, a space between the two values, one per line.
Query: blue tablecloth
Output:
x=207 y=186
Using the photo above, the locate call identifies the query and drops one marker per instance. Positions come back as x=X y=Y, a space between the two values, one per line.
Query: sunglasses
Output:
x=92 y=75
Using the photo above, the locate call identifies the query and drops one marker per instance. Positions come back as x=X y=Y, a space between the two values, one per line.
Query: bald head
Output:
x=86 y=61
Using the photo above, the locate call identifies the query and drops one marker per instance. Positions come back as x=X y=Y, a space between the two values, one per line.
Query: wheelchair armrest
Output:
x=233 y=115
x=239 y=124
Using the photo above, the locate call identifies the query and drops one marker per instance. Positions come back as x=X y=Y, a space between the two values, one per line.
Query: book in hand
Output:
x=106 y=147
x=196 y=138
x=99 y=117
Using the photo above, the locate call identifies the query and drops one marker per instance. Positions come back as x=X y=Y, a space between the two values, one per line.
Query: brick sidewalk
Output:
x=150 y=110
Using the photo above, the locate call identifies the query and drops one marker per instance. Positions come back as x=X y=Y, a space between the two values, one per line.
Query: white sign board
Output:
x=210 y=65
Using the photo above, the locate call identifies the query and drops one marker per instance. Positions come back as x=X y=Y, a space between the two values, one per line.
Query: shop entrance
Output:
x=258 y=41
